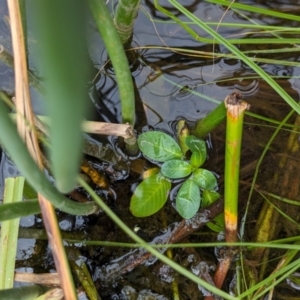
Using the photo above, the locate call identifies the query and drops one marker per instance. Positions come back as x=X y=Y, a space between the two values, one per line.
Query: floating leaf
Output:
x=159 y=146
x=176 y=168
x=205 y=179
x=188 y=199
x=150 y=196
x=197 y=146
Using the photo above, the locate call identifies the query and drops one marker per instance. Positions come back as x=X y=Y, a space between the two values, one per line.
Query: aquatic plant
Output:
x=152 y=193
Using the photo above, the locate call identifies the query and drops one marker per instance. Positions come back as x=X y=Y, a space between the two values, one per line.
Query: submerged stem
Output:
x=118 y=57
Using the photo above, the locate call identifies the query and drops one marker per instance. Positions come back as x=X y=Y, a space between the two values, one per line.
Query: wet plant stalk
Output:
x=9 y=233
x=210 y=122
x=80 y=269
x=118 y=58
x=125 y=16
x=235 y=115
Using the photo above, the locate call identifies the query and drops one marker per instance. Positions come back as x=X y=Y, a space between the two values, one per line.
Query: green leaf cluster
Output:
x=152 y=193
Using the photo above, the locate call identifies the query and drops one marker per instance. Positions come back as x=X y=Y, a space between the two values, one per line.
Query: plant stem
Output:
x=235 y=115
x=125 y=16
x=102 y=128
x=118 y=58
x=210 y=122
x=23 y=292
x=9 y=233
x=14 y=146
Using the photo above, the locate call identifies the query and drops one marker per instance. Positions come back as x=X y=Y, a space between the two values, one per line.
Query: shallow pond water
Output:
x=169 y=86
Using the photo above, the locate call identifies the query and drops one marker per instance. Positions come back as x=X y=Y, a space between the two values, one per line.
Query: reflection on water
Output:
x=170 y=84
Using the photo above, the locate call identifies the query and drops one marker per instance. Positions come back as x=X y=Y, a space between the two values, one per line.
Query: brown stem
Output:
x=175 y=233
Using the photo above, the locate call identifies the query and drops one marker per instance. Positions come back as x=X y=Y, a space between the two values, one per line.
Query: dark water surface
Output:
x=169 y=86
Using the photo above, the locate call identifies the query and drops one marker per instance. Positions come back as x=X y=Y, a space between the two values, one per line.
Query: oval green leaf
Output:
x=159 y=146
x=209 y=197
x=217 y=224
x=196 y=145
x=196 y=160
x=150 y=196
x=205 y=179
x=188 y=199
x=176 y=168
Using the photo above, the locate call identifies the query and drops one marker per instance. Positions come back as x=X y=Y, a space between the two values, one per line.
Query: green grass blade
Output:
x=14 y=146
x=267 y=147
x=22 y=293
x=9 y=233
x=285 y=272
x=118 y=58
x=256 y=9
x=241 y=41
x=281 y=212
x=21 y=209
x=240 y=54
x=63 y=61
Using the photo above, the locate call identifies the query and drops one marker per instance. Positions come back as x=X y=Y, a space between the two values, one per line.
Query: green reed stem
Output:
x=210 y=121
x=9 y=233
x=66 y=69
x=125 y=16
x=118 y=58
x=14 y=146
x=235 y=114
x=234 y=126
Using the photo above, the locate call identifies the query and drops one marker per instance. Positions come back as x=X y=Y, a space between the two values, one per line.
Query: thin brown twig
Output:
x=174 y=234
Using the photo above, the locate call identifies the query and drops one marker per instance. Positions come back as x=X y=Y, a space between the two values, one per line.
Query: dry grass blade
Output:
x=44 y=279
